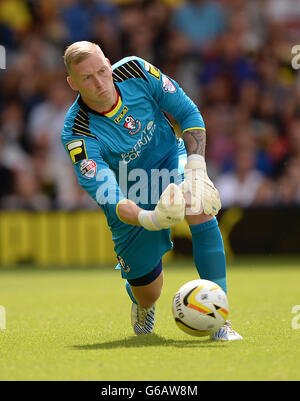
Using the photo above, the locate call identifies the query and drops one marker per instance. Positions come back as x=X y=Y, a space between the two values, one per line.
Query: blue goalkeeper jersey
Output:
x=115 y=153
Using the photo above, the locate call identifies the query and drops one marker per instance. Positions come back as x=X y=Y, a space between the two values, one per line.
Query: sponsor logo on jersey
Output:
x=167 y=85
x=145 y=138
x=152 y=70
x=88 y=168
x=121 y=115
x=77 y=150
x=133 y=125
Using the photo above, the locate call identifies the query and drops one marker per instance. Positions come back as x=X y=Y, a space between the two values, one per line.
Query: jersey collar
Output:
x=115 y=108
x=109 y=113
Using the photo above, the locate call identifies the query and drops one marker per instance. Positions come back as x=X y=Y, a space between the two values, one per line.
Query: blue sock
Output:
x=128 y=289
x=208 y=251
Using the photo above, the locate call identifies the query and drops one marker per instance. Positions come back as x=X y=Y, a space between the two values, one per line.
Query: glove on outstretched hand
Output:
x=169 y=211
x=205 y=197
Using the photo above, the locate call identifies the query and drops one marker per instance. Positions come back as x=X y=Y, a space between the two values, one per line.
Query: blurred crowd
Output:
x=232 y=57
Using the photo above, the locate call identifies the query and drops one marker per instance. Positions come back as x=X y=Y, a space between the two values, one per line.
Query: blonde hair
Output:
x=78 y=51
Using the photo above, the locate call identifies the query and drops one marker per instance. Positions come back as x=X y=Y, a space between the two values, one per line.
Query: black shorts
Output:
x=148 y=278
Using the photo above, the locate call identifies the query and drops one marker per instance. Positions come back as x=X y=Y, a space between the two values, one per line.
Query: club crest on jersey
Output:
x=133 y=125
x=125 y=267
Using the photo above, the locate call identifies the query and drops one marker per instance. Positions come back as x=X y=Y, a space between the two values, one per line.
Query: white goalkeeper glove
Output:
x=205 y=197
x=169 y=211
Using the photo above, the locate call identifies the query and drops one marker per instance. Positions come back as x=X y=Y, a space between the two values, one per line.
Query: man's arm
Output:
x=168 y=212
x=95 y=176
x=171 y=98
x=204 y=196
x=195 y=141
x=128 y=212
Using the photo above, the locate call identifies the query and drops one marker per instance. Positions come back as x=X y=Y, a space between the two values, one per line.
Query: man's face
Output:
x=92 y=77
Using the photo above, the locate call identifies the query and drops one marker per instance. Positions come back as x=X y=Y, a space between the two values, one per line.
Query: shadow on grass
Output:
x=152 y=340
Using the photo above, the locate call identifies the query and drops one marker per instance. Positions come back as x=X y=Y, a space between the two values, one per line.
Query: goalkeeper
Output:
x=119 y=139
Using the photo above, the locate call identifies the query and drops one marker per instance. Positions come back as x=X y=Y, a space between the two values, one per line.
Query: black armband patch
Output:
x=77 y=150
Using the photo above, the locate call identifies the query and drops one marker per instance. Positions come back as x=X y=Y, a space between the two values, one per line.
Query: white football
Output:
x=200 y=307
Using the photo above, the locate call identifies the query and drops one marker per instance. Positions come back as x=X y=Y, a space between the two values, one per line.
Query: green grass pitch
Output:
x=75 y=325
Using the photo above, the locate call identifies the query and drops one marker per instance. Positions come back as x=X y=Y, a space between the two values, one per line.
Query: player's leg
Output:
x=144 y=292
x=209 y=256
x=141 y=265
x=208 y=249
